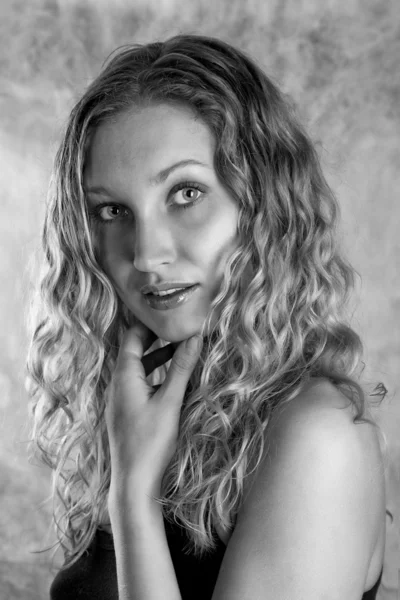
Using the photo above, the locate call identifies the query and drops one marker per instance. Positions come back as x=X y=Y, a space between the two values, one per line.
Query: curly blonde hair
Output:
x=275 y=331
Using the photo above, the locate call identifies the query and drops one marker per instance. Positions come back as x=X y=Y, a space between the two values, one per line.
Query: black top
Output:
x=94 y=576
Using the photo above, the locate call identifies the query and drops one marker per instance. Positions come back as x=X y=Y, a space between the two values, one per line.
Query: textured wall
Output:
x=338 y=60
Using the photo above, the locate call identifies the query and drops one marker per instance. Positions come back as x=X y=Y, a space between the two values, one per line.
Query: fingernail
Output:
x=195 y=343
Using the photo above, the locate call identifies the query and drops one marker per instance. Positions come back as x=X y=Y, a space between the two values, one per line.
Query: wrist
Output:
x=134 y=485
x=134 y=519
x=132 y=502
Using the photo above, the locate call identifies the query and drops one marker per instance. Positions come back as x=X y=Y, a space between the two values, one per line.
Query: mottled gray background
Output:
x=338 y=60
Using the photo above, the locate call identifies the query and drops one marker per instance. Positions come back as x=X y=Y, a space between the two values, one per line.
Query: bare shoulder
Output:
x=321 y=408
x=318 y=426
x=313 y=513
x=322 y=412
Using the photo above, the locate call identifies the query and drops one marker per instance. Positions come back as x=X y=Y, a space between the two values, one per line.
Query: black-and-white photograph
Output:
x=199 y=395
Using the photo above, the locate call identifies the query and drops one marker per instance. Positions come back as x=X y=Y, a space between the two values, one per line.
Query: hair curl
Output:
x=275 y=331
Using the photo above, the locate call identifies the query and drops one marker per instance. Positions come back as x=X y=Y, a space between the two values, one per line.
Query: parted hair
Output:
x=278 y=327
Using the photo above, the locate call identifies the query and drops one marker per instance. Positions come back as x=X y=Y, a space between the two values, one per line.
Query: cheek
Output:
x=214 y=245
x=220 y=230
x=107 y=252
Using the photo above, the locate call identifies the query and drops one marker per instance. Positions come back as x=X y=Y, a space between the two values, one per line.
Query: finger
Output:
x=182 y=365
x=135 y=342
x=157 y=358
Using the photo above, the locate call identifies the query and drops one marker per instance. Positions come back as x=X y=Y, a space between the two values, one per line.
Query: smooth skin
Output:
x=149 y=237
x=142 y=425
x=313 y=520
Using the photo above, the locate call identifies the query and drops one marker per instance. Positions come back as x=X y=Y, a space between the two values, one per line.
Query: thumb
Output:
x=182 y=364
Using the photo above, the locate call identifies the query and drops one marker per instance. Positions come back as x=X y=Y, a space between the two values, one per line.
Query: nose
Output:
x=153 y=246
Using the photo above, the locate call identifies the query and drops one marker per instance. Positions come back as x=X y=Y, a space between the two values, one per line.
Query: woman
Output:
x=251 y=469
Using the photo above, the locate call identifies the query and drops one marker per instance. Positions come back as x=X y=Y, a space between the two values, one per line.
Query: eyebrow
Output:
x=163 y=175
x=157 y=179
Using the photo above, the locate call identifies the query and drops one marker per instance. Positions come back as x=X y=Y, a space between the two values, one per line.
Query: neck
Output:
x=207 y=339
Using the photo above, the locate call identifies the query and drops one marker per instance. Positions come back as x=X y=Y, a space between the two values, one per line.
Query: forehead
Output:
x=146 y=140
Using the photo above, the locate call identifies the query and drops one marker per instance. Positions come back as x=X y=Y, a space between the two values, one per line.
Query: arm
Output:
x=144 y=566
x=143 y=426
x=308 y=526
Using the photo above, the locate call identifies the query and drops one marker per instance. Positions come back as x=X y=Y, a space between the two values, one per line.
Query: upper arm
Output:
x=307 y=528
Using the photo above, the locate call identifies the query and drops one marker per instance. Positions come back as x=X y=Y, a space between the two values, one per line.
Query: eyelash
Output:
x=94 y=214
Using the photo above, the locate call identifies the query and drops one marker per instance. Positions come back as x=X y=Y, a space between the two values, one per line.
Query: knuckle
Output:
x=182 y=364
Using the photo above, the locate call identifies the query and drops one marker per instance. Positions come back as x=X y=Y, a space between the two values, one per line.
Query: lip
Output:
x=165 y=286
x=176 y=299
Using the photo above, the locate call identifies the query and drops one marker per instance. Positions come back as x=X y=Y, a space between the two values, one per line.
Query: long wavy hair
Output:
x=276 y=329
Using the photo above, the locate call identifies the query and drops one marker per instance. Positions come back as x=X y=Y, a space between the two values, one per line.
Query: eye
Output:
x=188 y=185
x=97 y=215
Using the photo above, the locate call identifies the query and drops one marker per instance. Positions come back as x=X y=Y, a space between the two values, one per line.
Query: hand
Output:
x=142 y=424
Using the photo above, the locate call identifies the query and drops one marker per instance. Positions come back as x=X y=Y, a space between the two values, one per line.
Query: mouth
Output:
x=171 y=300
x=168 y=295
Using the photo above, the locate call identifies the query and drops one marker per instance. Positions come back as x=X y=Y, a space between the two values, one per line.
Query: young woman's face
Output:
x=147 y=236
